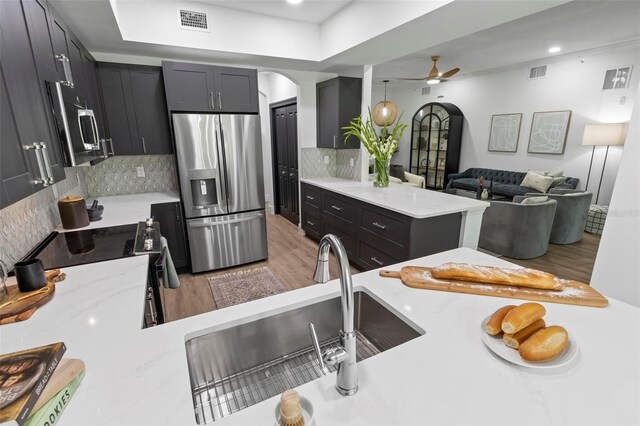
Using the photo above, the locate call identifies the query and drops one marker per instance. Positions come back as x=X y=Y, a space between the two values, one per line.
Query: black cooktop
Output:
x=80 y=247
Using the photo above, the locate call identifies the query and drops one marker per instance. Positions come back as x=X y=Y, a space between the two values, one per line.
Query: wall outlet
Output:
x=140 y=171
x=351 y=162
x=326 y=159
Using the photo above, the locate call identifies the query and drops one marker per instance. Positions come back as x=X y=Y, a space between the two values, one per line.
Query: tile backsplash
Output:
x=118 y=175
x=313 y=163
x=344 y=169
x=25 y=223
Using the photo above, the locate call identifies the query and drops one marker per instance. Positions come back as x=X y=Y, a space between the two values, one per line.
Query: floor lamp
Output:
x=603 y=134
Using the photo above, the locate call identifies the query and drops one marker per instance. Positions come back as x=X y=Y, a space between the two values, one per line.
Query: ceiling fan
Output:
x=435 y=76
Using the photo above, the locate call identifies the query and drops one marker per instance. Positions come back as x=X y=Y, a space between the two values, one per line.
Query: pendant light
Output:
x=385 y=112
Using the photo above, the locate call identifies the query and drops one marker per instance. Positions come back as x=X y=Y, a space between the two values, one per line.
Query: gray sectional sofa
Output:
x=505 y=183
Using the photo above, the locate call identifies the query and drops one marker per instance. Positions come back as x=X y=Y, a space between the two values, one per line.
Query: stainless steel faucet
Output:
x=344 y=357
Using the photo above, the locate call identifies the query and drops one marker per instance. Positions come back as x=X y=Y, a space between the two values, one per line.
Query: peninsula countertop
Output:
x=411 y=201
x=447 y=376
x=125 y=209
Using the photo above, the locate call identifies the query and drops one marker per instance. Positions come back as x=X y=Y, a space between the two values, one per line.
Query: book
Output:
x=23 y=377
x=67 y=370
x=51 y=411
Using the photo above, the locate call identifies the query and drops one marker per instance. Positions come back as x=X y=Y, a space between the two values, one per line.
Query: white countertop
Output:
x=125 y=209
x=404 y=199
x=447 y=376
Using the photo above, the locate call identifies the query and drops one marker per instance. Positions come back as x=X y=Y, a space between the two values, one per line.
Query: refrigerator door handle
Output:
x=225 y=222
x=222 y=165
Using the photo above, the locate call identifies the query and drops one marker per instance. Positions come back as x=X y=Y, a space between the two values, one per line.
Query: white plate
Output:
x=497 y=346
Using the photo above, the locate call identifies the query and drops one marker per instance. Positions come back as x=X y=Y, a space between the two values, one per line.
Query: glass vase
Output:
x=382 y=173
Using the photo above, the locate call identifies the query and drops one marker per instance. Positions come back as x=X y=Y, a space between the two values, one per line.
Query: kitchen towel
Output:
x=170 y=276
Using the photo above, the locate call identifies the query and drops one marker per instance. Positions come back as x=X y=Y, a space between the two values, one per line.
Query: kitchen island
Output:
x=411 y=202
x=446 y=376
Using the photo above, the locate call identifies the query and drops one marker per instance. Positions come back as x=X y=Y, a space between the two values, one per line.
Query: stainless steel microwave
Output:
x=77 y=128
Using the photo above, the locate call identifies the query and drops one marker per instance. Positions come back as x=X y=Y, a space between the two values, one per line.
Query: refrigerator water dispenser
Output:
x=203 y=192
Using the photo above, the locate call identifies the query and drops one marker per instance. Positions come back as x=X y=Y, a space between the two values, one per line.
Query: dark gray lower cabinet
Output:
x=373 y=236
x=169 y=217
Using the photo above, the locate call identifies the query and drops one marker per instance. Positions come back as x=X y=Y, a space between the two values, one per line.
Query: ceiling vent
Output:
x=426 y=91
x=190 y=20
x=537 y=72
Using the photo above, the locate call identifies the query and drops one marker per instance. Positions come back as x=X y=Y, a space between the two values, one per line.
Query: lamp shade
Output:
x=604 y=134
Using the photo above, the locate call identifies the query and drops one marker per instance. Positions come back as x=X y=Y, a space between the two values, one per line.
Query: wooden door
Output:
x=285 y=153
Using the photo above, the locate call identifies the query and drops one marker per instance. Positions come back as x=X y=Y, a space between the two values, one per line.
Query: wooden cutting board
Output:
x=18 y=306
x=572 y=293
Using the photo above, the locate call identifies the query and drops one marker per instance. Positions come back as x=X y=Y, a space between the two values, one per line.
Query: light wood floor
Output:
x=292 y=259
x=568 y=261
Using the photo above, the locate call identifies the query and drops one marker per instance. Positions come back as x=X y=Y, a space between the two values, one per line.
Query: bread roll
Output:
x=521 y=316
x=522 y=277
x=545 y=344
x=515 y=340
x=494 y=325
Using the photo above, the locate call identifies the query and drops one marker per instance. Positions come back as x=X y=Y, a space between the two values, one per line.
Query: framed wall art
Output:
x=617 y=78
x=549 y=132
x=504 y=133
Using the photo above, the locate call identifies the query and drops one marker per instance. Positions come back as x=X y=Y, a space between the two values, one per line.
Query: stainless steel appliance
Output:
x=220 y=170
x=77 y=127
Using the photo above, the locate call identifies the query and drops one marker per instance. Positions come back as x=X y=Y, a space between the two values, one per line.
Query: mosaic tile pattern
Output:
x=343 y=170
x=118 y=175
x=27 y=222
x=313 y=163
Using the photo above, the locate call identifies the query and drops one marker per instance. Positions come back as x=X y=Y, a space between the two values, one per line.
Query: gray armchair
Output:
x=571 y=215
x=519 y=231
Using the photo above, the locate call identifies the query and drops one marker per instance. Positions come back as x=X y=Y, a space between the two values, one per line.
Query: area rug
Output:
x=244 y=286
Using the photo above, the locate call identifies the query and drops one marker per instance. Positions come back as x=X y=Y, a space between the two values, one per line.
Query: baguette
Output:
x=545 y=344
x=522 y=277
x=515 y=340
x=521 y=316
x=494 y=325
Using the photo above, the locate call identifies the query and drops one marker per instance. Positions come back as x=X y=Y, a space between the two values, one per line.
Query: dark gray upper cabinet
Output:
x=135 y=107
x=149 y=103
x=41 y=33
x=236 y=89
x=202 y=88
x=94 y=100
x=189 y=87
x=338 y=102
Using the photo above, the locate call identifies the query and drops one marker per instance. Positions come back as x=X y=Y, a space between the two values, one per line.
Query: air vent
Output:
x=190 y=20
x=537 y=72
x=426 y=91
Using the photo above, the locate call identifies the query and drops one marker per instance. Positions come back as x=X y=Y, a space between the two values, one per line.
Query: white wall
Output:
x=617 y=272
x=569 y=84
x=281 y=88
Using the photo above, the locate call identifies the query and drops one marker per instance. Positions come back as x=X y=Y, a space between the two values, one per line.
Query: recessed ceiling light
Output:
x=555 y=49
x=294 y=1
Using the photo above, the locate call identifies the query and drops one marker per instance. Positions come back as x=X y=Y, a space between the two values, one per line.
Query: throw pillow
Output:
x=537 y=181
x=557 y=181
x=535 y=200
x=397 y=171
x=547 y=173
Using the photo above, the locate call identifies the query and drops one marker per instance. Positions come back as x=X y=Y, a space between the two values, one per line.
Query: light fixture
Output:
x=555 y=49
x=294 y=1
x=385 y=112
x=602 y=134
x=433 y=81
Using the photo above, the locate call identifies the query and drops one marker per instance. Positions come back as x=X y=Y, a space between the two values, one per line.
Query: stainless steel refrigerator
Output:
x=220 y=171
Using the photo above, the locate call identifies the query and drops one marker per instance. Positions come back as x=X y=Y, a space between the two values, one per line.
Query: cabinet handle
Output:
x=42 y=179
x=377 y=225
x=310 y=223
x=334 y=141
x=290 y=174
x=111 y=145
x=284 y=172
x=144 y=146
x=213 y=105
x=309 y=197
x=377 y=261
x=337 y=208
x=47 y=163
x=219 y=101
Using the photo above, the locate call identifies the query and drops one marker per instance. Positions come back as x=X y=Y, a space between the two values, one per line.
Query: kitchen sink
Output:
x=235 y=367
